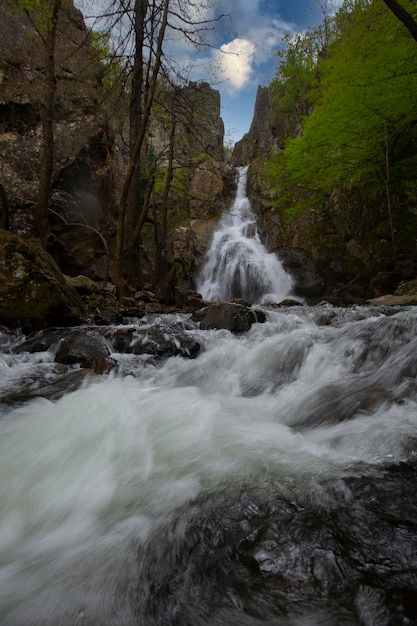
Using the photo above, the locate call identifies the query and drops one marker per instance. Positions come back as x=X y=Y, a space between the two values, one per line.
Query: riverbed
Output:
x=269 y=480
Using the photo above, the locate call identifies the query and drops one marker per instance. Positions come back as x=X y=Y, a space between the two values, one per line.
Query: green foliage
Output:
x=361 y=87
x=295 y=74
x=114 y=75
x=39 y=11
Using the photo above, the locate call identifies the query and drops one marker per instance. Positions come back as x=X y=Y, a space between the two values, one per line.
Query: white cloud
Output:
x=263 y=34
x=268 y=38
x=233 y=64
x=194 y=11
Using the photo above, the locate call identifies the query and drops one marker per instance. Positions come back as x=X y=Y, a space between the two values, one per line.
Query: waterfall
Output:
x=237 y=265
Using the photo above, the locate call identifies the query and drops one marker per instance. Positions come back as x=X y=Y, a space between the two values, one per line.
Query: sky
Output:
x=248 y=42
x=240 y=55
x=242 y=50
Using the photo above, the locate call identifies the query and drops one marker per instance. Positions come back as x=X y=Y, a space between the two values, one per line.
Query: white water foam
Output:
x=237 y=265
x=84 y=480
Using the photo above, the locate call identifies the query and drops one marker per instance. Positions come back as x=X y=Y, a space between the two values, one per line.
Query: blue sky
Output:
x=249 y=40
x=241 y=49
x=246 y=43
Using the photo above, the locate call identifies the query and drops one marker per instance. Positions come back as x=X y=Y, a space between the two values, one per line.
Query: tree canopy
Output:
x=361 y=93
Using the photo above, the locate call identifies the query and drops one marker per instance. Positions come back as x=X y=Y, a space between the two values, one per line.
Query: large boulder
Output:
x=232 y=316
x=86 y=347
x=159 y=340
x=33 y=290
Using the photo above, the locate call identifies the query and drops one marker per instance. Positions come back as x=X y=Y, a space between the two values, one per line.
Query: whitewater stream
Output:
x=237 y=265
x=269 y=480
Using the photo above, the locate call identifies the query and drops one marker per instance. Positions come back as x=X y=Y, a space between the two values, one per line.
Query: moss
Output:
x=32 y=288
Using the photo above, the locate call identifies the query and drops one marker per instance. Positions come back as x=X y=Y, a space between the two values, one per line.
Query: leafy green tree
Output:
x=404 y=16
x=295 y=75
x=364 y=106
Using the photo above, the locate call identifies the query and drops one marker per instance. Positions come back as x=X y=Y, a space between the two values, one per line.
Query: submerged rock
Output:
x=341 y=552
x=49 y=385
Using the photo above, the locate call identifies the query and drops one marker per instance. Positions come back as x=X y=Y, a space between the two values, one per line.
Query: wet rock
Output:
x=51 y=386
x=285 y=303
x=234 y=317
x=108 y=316
x=42 y=341
x=392 y=300
x=33 y=290
x=86 y=347
x=83 y=284
x=158 y=340
x=339 y=552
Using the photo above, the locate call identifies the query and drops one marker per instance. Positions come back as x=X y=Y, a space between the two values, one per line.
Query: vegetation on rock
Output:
x=345 y=165
x=33 y=291
x=115 y=162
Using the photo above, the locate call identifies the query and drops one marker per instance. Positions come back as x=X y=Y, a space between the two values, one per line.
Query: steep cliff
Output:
x=261 y=138
x=340 y=248
x=91 y=137
x=83 y=177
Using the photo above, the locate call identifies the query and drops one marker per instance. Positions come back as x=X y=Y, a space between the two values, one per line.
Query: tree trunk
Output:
x=4 y=209
x=47 y=160
x=404 y=17
x=135 y=117
x=122 y=245
x=161 y=249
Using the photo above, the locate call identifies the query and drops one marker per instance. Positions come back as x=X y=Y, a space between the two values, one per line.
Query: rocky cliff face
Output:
x=260 y=139
x=83 y=178
x=91 y=148
x=342 y=249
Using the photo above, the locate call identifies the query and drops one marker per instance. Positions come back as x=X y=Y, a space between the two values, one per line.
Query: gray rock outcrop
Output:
x=33 y=291
x=232 y=316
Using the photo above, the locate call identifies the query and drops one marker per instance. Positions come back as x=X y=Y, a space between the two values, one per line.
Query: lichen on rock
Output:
x=33 y=290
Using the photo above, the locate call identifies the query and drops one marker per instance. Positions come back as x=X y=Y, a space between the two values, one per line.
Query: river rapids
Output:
x=269 y=480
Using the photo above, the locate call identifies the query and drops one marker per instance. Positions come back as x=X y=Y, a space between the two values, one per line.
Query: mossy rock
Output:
x=33 y=290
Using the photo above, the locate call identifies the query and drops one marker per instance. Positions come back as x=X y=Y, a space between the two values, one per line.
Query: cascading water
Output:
x=271 y=480
x=237 y=264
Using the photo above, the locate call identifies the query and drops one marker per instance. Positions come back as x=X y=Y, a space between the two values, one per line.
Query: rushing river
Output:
x=270 y=480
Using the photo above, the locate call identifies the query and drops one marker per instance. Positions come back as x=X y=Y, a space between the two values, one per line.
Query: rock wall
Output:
x=83 y=177
x=92 y=147
x=260 y=139
x=340 y=250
